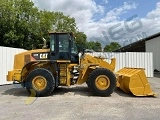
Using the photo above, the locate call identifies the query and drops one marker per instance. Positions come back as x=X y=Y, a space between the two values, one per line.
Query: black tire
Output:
x=104 y=89
x=47 y=79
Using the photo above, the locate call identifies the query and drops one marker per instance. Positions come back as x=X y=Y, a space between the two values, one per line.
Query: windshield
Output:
x=74 y=47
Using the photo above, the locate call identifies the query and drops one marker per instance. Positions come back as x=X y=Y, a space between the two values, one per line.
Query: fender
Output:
x=26 y=69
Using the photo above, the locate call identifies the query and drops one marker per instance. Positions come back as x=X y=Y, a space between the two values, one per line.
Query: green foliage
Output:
x=111 y=47
x=81 y=40
x=23 y=25
x=96 y=46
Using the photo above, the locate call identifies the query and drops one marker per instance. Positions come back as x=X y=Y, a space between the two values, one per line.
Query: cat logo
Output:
x=44 y=56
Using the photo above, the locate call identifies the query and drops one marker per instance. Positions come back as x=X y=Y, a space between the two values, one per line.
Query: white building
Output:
x=149 y=44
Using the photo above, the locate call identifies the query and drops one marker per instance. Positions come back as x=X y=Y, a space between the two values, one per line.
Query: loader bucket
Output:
x=134 y=80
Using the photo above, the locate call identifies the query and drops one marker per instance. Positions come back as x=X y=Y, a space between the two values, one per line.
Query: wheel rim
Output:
x=102 y=82
x=39 y=83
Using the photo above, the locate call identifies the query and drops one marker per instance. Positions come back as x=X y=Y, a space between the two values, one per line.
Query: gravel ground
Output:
x=76 y=103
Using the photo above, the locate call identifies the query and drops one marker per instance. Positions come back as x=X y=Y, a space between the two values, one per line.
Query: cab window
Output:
x=52 y=43
x=63 y=43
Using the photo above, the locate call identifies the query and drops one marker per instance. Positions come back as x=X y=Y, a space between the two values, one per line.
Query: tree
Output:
x=57 y=22
x=18 y=23
x=81 y=40
x=23 y=25
x=111 y=47
x=96 y=46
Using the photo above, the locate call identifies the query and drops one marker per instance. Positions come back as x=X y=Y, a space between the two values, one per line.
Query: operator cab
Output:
x=62 y=47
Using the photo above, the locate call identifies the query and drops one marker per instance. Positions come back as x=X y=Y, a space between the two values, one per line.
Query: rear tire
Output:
x=41 y=81
x=101 y=82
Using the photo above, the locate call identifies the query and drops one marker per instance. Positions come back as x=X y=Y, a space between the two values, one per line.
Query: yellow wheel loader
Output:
x=43 y=70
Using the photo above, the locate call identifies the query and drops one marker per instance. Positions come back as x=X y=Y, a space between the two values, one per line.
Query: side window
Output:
x=52 y=43
x=74 y=47
x=63 y=43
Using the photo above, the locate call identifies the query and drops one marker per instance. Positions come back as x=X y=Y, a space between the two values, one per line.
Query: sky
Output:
x=123 y=21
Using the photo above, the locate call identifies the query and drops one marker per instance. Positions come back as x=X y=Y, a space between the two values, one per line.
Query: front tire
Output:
x=101 y=82
x=41 y=81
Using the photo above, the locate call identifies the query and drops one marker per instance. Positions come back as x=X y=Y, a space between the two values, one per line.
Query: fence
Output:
x=6 y=62
x=128 y=59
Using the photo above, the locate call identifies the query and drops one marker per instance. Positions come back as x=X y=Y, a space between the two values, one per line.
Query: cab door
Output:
x=60 y=46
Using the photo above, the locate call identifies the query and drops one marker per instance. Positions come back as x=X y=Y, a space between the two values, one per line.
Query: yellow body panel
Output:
x=134 y=80
x=14 y=75
x=89 y=63
x=20 y=60
x=65 y=67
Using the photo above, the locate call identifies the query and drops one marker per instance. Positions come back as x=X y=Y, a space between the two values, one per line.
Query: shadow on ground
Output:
x=121 y=93
x=130 y=95
x=68 y=91
x=75 y=90
x=15 y=90
x=157 y=75
x=81 y=90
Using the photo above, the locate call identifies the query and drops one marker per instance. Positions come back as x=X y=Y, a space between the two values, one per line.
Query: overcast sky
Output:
x=107 y=21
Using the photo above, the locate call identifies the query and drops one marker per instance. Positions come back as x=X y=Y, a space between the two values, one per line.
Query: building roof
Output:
x=138 y=46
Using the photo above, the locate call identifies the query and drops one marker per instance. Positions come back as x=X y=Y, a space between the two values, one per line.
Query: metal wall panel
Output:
x=154 y=47
x=140 y=60
x=6 y=62
x=130 y=59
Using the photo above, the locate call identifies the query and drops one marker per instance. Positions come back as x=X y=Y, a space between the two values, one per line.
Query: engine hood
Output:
x=31 y=55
